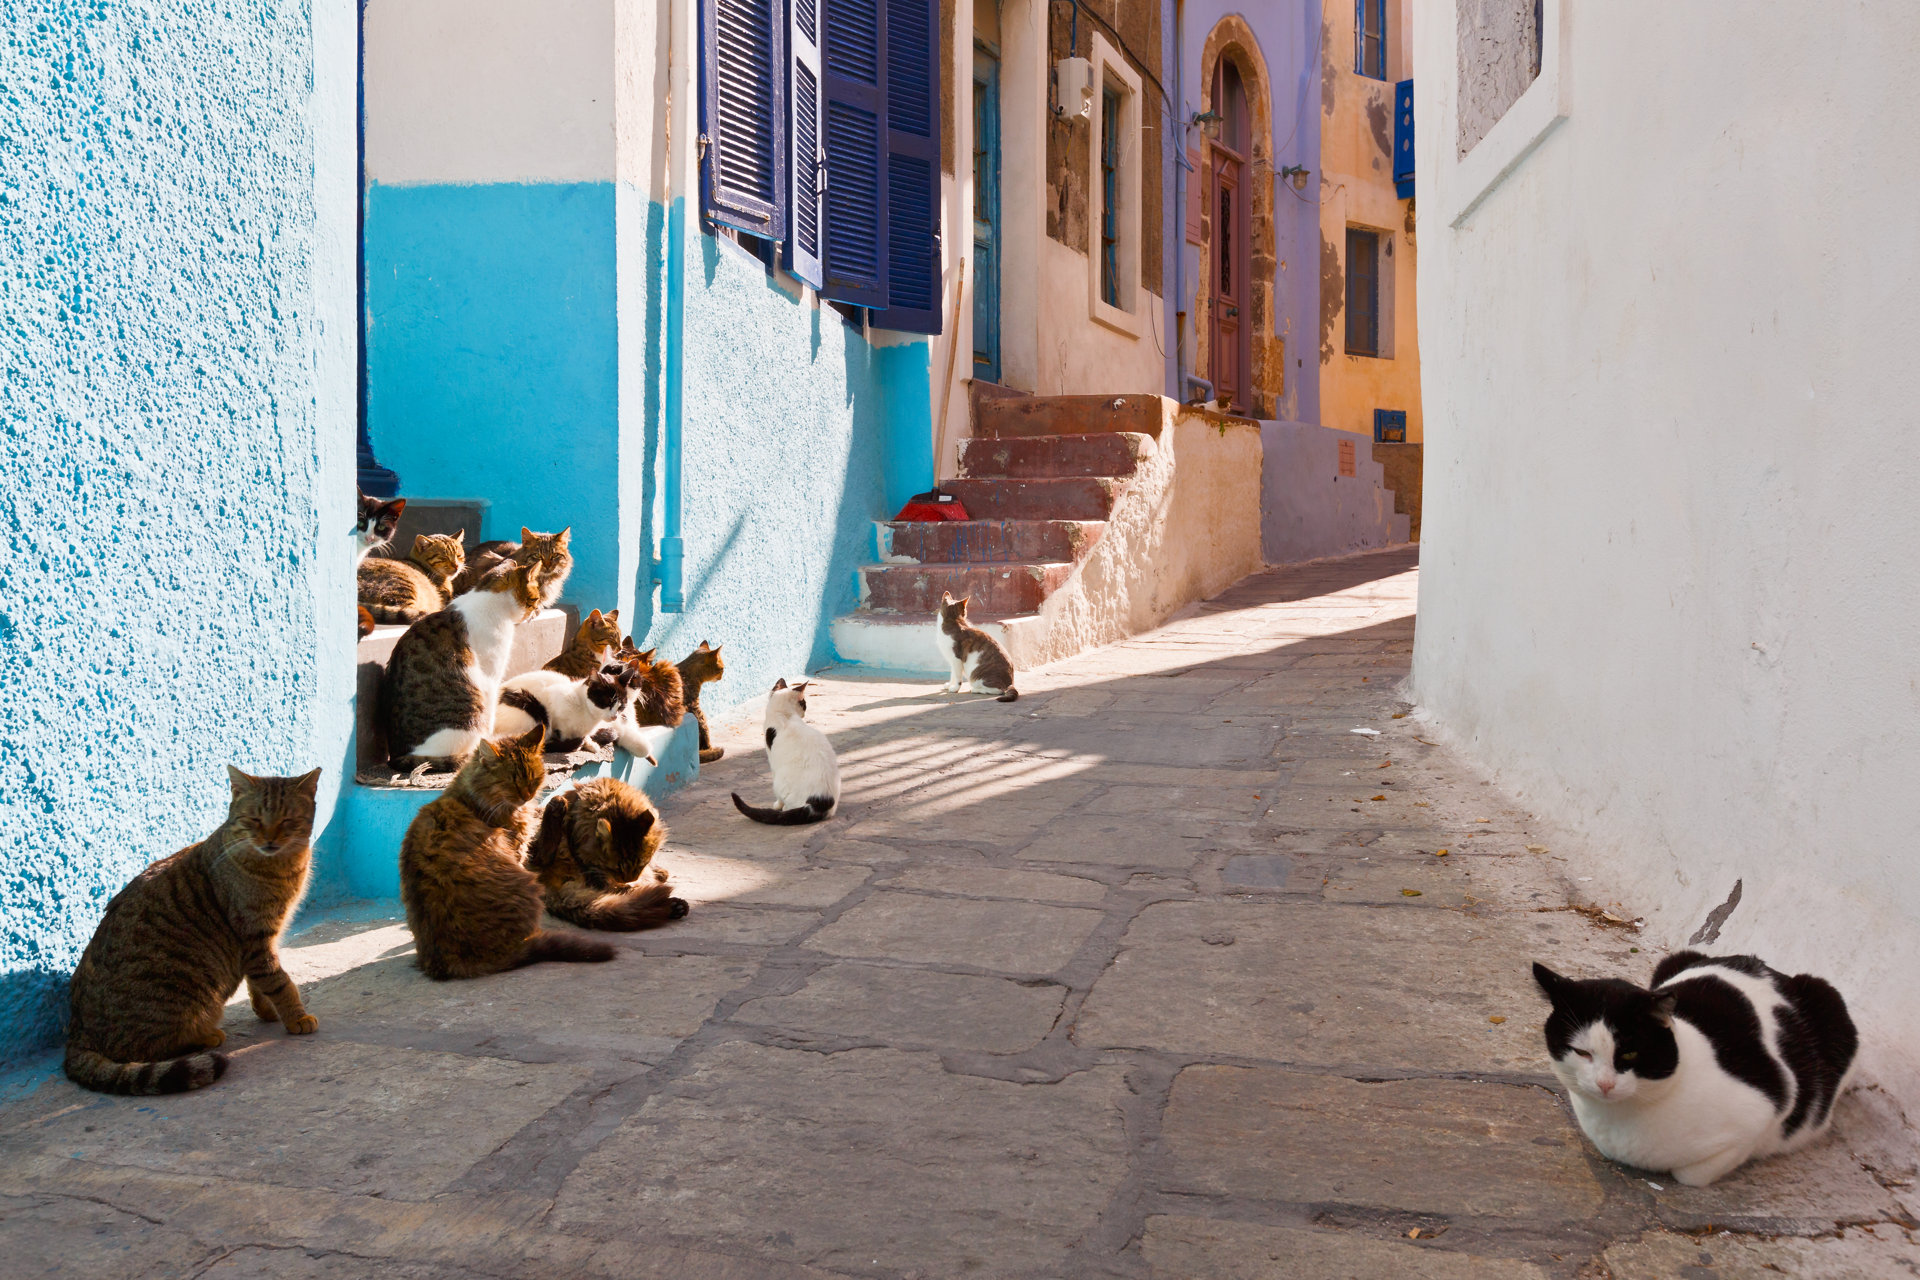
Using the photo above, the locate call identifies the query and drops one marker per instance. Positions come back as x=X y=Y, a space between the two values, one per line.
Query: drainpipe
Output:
x=1180 y=181
x=668 y=570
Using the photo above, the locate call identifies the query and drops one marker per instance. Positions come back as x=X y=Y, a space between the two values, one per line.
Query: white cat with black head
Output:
x=806 y=773
x=1721 y=1061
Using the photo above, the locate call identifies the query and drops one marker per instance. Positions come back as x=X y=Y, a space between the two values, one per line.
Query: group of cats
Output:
x=1720 y=1060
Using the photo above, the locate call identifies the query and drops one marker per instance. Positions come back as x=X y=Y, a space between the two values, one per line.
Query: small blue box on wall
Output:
x=1390 y=426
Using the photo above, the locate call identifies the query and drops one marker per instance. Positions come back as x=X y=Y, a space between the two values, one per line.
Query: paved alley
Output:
x=1164 y=970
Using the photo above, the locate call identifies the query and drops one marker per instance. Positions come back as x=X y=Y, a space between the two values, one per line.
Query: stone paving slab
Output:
x=1118 y=981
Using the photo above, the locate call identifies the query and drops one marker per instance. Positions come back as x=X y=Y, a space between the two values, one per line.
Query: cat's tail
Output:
x=625 y=909
x=573 y=948
x=177 y=1075
x=392 y=614
x=815 y=809
x=1010 y=695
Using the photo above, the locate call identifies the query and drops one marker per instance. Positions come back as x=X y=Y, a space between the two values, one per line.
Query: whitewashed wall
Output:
x=1669 y=591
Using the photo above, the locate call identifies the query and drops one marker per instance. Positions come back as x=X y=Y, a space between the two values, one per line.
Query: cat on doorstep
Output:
x=1722 y=1060
x=806 y=774
x=974 y=658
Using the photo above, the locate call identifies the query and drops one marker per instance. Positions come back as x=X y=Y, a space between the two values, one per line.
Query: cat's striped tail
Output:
x=625 y=909
x=1010 y=694
x=176 y=1075
x=815 y=809
x=574 y=948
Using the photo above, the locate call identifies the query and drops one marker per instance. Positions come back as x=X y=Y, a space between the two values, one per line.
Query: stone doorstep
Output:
x=993 y=588
x=904 y=642
x=981 y=541
x=1044 y=498
x=1107 y=453
x=1005 y=417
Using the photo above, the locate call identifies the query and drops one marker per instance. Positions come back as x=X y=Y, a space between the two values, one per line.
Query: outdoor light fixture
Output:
x=1076 y=87
x=1297 y=175
x=1207 y=121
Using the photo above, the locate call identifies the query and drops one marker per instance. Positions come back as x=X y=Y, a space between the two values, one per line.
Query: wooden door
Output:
x=986 y=213
x=1230 y=318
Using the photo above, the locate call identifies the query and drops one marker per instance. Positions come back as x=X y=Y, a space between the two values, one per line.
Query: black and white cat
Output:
x=572 y=710
x=806 y=773
x=374 y=524
x=1723 y=1060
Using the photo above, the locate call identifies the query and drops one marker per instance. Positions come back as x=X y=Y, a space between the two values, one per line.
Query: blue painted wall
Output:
x=176 y=395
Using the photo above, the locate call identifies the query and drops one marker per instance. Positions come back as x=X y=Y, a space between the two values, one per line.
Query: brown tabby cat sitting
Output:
x=405 y=591
x=473 y=906
x=547 y=550
x=594 y=845
x=702 y=666
x=594 y=645
x=174 y=944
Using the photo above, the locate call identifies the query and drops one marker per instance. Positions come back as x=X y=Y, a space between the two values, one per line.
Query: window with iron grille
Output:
x=1110 y=197
x=1363 y=292
x=1370 y=38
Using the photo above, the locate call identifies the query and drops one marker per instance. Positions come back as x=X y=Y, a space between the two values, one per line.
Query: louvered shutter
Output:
x=806 y=167
x=913 y=167
x=743 y=160
x=854 y=128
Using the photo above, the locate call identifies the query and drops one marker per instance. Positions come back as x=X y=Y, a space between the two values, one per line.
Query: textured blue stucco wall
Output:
x=175 y=443
x=492 y=357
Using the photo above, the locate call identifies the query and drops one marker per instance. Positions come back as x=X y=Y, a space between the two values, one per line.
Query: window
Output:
x=820 y=130
x=1110 y=197
x=1370 y=38
x=1363 y=292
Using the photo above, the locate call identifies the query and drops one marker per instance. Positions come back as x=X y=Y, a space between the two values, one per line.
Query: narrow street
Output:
x=1159 y=971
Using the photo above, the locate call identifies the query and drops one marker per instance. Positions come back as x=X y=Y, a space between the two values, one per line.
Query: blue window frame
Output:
x=1110 y=197
x=1363 y=292
x=1370 y=38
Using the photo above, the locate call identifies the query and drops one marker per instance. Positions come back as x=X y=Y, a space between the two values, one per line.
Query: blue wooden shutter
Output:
x=854 y=126
x=805 y=162
x=1403 y=138
x=913 y=167
x=743 y=162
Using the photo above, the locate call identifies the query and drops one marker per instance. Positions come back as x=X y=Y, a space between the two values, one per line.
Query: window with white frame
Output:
x=1113 y=276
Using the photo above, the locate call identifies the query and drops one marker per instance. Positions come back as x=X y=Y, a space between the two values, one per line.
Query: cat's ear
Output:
x=641 y=823
x=1662 y=1009
x=532 y=740
x=397 y=506
x=526 y=535
x=594 y=616
x=779 y=684
x=242 y=782
x=802 y=686
x=946 y=598
x=613 y=615
x=461 y=538
x=1550 y=982
x=422 y=542
x=560 y=539
x=605 y=829
x=308 y=783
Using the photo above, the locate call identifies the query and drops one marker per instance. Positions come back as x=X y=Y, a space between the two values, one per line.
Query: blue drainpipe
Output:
x=669 y=569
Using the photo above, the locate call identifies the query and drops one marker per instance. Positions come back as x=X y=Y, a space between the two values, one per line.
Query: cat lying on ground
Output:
x=593 y=855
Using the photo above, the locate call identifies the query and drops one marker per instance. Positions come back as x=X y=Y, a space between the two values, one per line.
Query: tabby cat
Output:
x=594 y=645
x=702 y=666
x=406 y=591
x=973 y=657
x=437 y=700
x=595 y=843
x=152 y=987
x=548 y=550
x=473 y=906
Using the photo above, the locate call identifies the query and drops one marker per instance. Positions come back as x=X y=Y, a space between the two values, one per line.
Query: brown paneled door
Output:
x=1231 y=319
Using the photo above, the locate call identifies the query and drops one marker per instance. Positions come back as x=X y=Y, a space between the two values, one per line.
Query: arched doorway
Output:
x=1230 y=317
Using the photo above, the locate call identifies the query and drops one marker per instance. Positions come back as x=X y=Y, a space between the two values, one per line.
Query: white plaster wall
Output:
x=490 y=90
x=1667 y=589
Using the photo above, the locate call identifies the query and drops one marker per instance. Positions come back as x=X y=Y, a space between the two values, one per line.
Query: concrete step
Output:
x=905 y=642
x=1012 y=416
x=1062 y=498
x=1104 y=453
x=981 y=541
x=993 y=588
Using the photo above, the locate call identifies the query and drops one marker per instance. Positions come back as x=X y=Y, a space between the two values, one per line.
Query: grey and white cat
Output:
x=572 y=710
x=1721 y=1061
x=973 y=657
x=806 y=773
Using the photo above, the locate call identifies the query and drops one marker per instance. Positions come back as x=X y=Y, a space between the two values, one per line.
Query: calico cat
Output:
x=437 y=701
x=408 y=590
x=473 y=907
x=806 y=774
x=972 y=654
x=548 y=550
x=595 y=843
x=1720 y=1061
x=654 y=704
x=373 y=529
x=571 y=710
x=152 y=987
x=594 y=645
x=702 y=666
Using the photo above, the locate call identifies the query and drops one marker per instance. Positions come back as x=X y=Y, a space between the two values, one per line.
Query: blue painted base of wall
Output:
x=379 y=816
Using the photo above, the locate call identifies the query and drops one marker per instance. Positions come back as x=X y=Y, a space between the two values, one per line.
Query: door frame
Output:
x=986 y=192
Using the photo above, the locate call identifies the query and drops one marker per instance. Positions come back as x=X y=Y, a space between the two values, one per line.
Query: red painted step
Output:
x=993 y=589
x=977 y=541
x=1062 y=498
x=1106 y=453
x=1002 y=418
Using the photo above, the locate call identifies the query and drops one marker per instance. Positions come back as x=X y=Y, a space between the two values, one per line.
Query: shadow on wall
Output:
x=1322 y=494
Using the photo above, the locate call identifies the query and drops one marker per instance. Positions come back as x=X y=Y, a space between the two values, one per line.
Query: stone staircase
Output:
x=1045 y=479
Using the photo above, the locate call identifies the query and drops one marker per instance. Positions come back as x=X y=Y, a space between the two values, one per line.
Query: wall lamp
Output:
x=1207 y=121
x=1297 y=175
